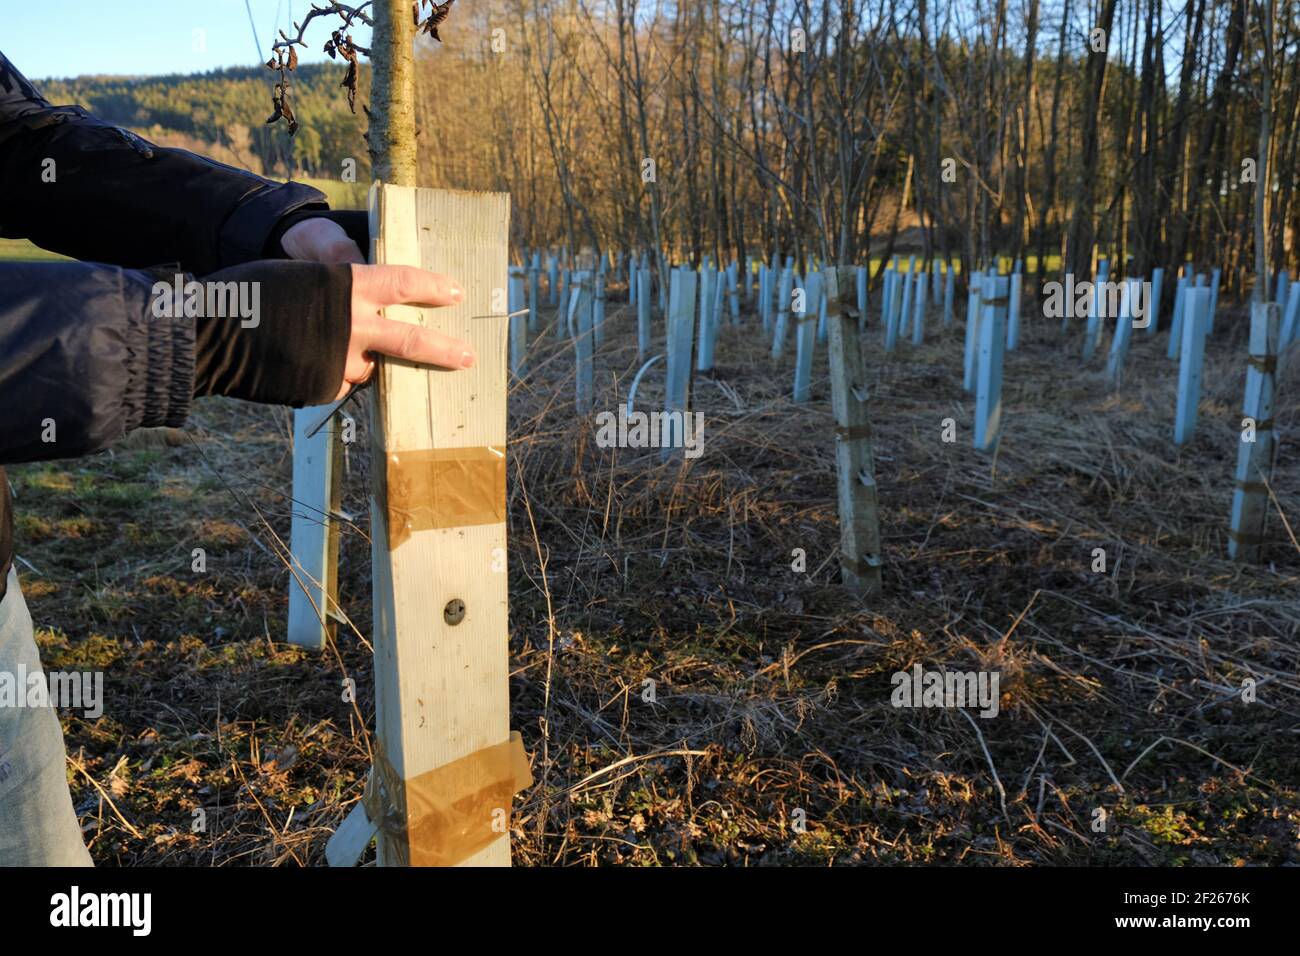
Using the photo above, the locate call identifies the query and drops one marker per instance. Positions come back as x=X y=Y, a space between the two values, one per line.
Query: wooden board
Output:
x=598 y=306
x=518 y=323
x=1176 y=320
x=1013 y=312
x=313 y=533
x=886 y=295
x=442 y=691
x=681 y=321
x=1092 y=335
x=918 y=311
x=1124 y=325
x=1196 y=310
x=902 y=324
x=970 y=356
x=642 y=285
x=821 y=315
x=860 y=557
x=733 y=293
x=1255 y=458
x=581 y=313
x=892 y=300
x=1214 y=299
x=765 y=291
x=709 y=278
x=805 y=336
x=860 y=277
x=534 y=298
x=785 y=288
x=1152 y=318
x=988 y=374
x=948 y=290
x=1287 y=334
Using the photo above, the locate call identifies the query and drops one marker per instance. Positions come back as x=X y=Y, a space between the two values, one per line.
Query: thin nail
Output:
x=456 y=292
x=466 y=359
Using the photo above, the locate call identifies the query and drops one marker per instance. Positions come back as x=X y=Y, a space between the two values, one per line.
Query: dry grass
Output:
x=1119 y=690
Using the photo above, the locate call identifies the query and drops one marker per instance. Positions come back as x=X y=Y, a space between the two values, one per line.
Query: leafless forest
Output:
x=1148 y=132
x=1033 y=129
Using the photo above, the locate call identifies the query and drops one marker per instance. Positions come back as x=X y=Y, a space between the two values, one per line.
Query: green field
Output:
x=341 y=195
x=20 y=250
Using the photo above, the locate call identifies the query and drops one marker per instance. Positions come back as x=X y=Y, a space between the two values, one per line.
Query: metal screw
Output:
x=454 y=612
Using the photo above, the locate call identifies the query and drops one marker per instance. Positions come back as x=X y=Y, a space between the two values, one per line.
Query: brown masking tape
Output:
x=444 y=488
x=1251 y=487
x=852 y=432
x=1264 y=363
x=448 y=814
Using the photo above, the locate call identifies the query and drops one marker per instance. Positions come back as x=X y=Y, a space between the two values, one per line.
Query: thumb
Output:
x=320 y=240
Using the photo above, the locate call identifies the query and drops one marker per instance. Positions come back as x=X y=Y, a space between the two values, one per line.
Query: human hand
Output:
x=373 y=288
x=320 y=240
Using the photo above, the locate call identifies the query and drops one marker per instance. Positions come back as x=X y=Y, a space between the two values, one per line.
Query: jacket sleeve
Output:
x=79 y=186
x=90 y=351
x=83 y=360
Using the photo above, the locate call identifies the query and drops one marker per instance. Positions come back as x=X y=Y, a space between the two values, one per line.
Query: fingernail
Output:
x=457 y=294
x=466 y=359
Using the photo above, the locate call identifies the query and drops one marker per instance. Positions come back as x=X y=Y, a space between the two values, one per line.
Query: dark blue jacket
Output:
x=79 y=343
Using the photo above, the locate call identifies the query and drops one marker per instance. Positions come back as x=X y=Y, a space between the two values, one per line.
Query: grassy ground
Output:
x=20 y=250
x=341 y=195
x=1120 y=691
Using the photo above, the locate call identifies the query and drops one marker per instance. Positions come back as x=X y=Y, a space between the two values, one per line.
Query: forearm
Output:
x=92 y=191
x=294 y=353
x=82 y=362
x=90 y=351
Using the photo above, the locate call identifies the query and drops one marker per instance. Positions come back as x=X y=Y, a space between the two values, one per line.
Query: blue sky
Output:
x=60 y=38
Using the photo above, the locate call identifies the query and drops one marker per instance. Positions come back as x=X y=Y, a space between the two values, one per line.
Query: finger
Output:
x=318 y=240
x=358 y=372
x=394 y=285
x=358 y=368
x=415 y=344
x=340 y=251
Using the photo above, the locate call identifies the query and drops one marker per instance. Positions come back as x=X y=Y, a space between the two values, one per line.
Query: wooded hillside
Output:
x=720 y=127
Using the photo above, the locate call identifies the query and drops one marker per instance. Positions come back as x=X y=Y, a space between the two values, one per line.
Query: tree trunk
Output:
x=1079 y=251
x=392 y=97
x=1263 y=174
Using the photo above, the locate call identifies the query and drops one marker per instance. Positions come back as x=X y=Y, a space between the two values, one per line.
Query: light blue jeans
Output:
x=38 y=826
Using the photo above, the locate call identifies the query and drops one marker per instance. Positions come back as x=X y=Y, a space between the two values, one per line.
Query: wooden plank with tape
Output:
x=440 y=595
x=859 y=507
x=1256 y=447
